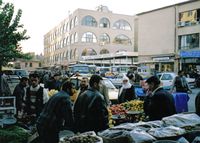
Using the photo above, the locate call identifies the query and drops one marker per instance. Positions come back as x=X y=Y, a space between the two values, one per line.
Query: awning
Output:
x=190 y=54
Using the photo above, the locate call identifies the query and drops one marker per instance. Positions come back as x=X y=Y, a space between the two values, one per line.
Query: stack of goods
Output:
x=52 y=92
x=175 y=127
x=14 y=134
x=87 y=137
x=123 y=111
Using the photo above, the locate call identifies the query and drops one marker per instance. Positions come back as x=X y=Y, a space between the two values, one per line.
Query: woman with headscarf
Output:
x=127 y=91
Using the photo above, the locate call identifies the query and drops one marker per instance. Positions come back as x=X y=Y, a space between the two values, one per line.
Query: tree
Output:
x=11 y=33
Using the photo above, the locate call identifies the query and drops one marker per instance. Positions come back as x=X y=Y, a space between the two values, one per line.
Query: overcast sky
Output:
x=40 y=16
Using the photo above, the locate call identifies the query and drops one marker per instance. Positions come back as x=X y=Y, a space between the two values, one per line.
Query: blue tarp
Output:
x=190 y=54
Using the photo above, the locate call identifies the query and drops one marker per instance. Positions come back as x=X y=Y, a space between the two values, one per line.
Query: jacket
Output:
x=90 y=112
x=160 y=104
x=58 y=110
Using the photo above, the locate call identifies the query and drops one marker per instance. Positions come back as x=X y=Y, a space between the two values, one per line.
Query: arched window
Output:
x=68 y=40
x=71 y=54
x=72 y=24
x=104 y=23
x=66 y=57
x=104 y=51
x=75 y=21
x=88 y=52
x=122 y=24
x=104 y=38
x=89 y=21
x=75 y=54
x=75 y=37
x=122 y=39
x=89 y=37
x=72 y=38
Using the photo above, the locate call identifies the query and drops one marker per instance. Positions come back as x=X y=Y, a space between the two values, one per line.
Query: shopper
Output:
x=57 y=111
x=36 y=97
x=19 y=93
x=127 y=91
x=90 y=111
x=159 y=103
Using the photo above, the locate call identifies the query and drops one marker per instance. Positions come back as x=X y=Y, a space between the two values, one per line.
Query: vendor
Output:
x=159 y=103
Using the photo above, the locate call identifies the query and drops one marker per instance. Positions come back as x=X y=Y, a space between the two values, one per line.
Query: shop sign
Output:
x=161 y=59
x=190 y=54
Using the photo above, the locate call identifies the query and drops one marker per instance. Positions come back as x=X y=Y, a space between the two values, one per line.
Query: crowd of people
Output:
x=88 y=109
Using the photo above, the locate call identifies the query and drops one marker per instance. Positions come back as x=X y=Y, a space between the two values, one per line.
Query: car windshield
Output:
x=108 y=84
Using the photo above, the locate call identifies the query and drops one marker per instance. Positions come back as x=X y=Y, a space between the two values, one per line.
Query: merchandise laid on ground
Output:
x=176 y=128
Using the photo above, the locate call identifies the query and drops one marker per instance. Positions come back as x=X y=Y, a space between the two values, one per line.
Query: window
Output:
x=122 y=24
x=89 y=37
x=122 y=39
x=89 y=21
x=104 y=38
x=104 y=51
x=104 y=23
x=40 y=64
x=30 y=64
x=26 y=64
x=72 y=24
x=72 y=39
x=88 y=52
x=189 y=41
x=167 y=77
x=75 y=21
x=75 y=37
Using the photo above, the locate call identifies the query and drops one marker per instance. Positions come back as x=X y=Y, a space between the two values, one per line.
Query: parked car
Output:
x=117 y=79
x=167 y=79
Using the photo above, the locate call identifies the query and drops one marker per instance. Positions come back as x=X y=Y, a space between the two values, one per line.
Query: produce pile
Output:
x=13 y=134
x=52 y=92
x=87 y=137
x=122 y=110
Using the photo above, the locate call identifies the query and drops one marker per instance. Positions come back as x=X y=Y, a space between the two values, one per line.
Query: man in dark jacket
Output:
x=19 y=93
x=90 y=112
x=56 y=115
x=159 y=103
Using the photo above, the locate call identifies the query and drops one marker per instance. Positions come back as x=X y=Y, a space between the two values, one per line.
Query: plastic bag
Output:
x=139 y=136
x=182 y=120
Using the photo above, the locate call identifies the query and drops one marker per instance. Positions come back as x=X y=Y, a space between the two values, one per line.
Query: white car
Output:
x=117 y=79
x=167 y=78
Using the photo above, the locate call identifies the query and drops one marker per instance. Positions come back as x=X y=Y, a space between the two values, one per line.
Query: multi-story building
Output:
x=91 y=36
x=167 y=38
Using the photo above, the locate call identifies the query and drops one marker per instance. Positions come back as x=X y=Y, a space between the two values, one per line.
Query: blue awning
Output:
x=190 y=54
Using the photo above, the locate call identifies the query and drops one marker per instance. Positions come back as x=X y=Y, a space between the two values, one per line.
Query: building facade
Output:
x=168 y=38
x=92 y=36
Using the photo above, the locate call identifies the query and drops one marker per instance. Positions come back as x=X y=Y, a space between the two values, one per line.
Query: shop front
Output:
x=189 y=60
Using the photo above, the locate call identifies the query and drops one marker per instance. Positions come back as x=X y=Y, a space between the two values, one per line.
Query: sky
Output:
x=40 y=16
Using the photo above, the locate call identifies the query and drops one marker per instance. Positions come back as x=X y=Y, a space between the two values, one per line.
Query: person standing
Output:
x=54 y=82
x=36 y=97
x=56 y=115
x=180 y=83
x=4 y=87
x=197 y=104
x=90 y=111
x=158 y=103
x=83 y=87
x=127 y=91
x=19 y=93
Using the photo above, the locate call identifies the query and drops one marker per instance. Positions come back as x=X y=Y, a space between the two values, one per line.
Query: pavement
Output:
x=191 y=102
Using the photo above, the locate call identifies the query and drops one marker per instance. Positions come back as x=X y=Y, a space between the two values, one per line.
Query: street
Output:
x=191 y=102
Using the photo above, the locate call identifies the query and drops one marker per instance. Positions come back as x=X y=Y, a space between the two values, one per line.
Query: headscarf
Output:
x=127 y=84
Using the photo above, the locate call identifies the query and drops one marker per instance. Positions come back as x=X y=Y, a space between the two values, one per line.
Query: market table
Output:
x=181 y=99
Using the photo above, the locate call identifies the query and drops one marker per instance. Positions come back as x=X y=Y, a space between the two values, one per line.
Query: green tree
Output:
x=11 y=33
